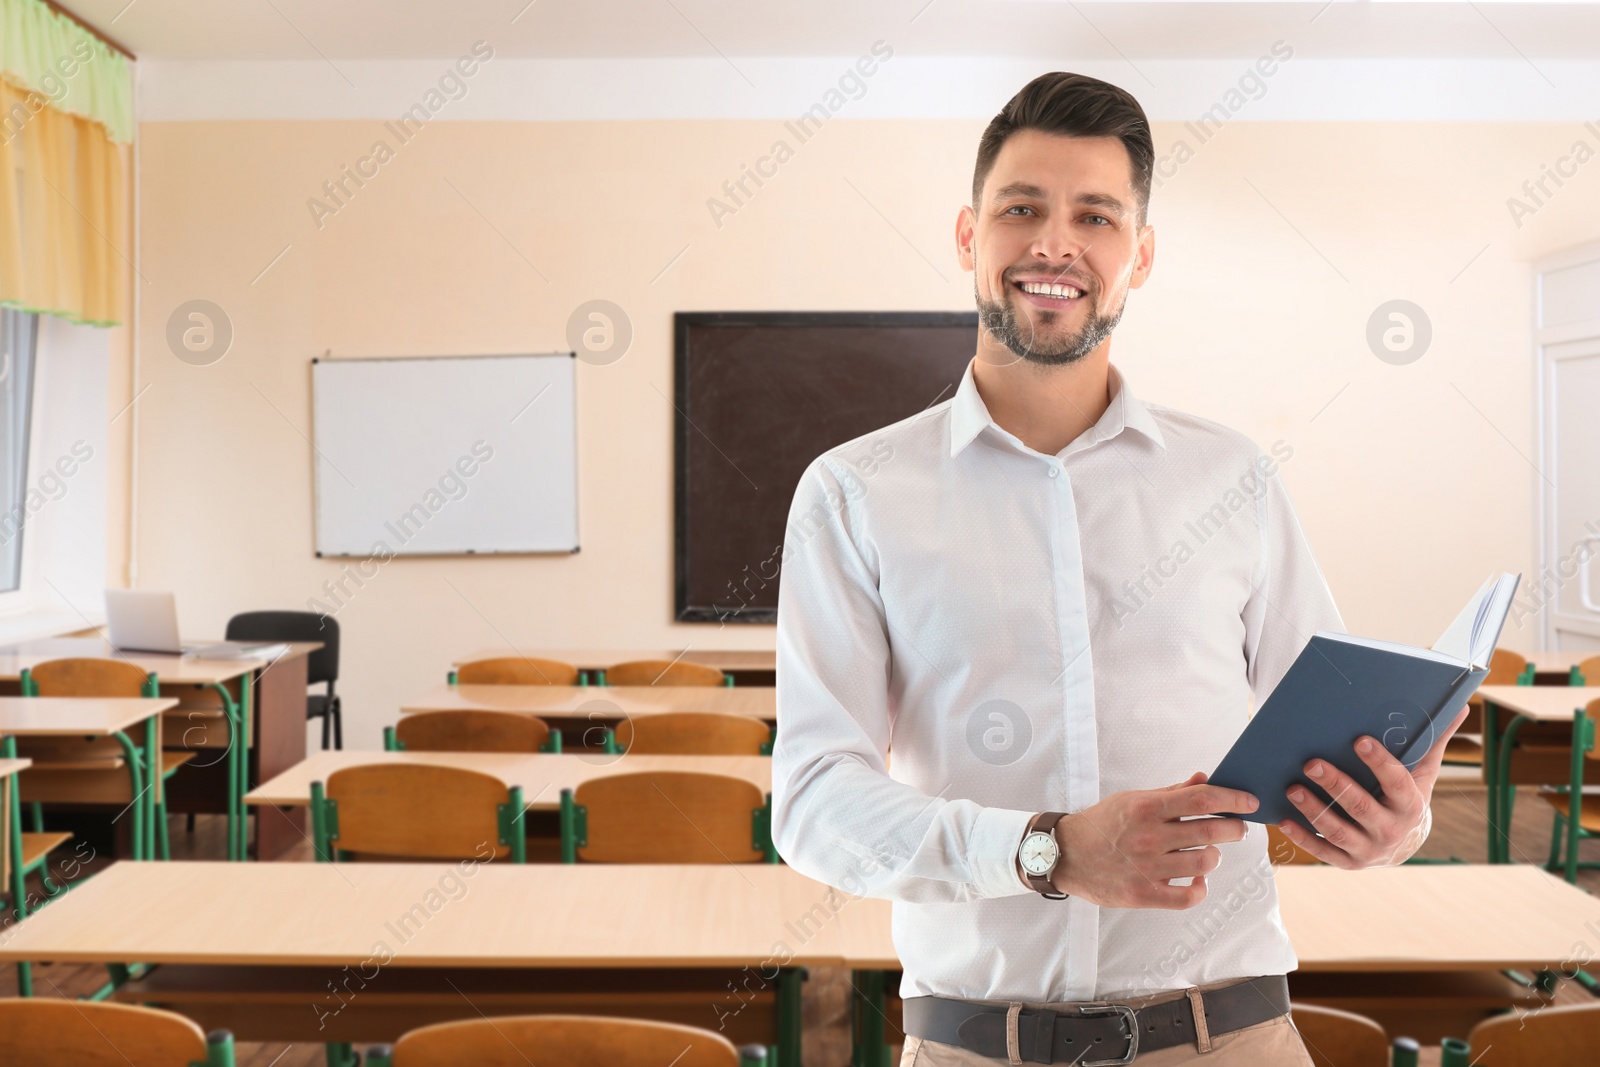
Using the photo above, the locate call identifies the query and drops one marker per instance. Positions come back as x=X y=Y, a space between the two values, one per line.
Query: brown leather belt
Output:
x=1096 y=1033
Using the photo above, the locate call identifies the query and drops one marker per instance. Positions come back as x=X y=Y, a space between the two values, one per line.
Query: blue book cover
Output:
x=1340 y=688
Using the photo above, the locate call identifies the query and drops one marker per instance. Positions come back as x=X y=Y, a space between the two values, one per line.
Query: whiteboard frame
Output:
x=316 y=457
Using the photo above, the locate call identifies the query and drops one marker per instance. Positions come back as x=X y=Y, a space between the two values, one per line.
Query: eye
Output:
x=1017 y=207
x=1102 y=218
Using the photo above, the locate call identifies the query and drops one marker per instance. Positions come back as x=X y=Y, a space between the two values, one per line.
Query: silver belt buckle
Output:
x=1129 y=1017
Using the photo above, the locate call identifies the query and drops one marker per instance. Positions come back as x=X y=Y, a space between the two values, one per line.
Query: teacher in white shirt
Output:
x=1056 y=602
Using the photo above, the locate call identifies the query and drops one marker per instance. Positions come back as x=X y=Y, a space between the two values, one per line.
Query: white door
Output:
x=1567 y=339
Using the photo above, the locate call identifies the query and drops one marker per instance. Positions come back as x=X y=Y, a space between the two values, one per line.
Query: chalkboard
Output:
x=759 y=395
x=449 y=455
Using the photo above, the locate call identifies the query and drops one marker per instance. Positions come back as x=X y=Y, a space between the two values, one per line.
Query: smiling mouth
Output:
x=1049 y=294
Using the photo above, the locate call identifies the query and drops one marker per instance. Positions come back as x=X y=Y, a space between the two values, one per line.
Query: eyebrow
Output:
x=1026 y=189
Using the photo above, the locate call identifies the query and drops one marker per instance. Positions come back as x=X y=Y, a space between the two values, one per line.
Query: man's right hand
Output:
x=1121 y=852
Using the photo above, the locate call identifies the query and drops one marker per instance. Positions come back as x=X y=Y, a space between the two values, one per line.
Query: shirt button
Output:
x=1054 y=471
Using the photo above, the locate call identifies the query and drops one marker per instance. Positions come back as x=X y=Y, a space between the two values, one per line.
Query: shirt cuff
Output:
x=995 y=837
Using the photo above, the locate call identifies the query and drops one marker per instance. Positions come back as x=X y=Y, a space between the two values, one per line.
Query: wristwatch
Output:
x=1039 y=853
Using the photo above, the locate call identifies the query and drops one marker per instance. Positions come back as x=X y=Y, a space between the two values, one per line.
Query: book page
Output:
x=1457 y=639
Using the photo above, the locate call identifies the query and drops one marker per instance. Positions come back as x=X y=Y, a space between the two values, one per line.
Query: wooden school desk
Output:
x=541 y=775
x=12 y=873
x=95 y=717
x=1377 y=935
x=747 y=668
x=1555 y=668
x=1542 y=703
x=336 y=952
x=264 y=699
x=579 y=707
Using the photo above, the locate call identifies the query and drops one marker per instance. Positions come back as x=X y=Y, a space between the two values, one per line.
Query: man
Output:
x=1055 y=602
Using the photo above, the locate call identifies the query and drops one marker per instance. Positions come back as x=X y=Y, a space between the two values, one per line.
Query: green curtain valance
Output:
x=73 y=70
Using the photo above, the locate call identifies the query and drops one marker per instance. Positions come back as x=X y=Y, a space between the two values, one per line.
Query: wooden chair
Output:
x=1340 y=1038
x=563 y=1041
x=1281 y=851
x=666 y=817
x=1559 y=799
x=472 y=731
x=104 y=758
x=1587 y=669
x=694 y=733
x=1567 y=1036
x=664 y=672
x=515 y=670
x=89 y=1034
x=414 y=811
x=1505 y=668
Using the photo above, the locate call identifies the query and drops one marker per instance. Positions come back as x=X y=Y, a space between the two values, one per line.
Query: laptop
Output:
x=142 y=621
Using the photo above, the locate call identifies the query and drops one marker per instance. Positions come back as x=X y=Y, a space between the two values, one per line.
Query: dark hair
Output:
x=1078 y=106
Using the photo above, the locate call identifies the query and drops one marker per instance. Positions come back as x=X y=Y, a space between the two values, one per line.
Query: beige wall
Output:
x=1274 y=244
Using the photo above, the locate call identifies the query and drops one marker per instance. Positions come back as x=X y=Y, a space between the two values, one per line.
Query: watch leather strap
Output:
x=1097 y=1032
x=1045 y=823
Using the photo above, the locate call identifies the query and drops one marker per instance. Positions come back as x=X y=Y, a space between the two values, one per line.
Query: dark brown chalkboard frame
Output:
x=685 y=323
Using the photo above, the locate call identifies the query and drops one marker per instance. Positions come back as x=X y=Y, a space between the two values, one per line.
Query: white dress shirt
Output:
x=1032 y=633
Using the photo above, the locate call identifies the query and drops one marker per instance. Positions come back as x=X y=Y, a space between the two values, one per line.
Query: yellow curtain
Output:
x=64 y=247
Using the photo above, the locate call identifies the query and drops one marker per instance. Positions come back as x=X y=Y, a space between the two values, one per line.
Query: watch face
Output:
x=1038 y=854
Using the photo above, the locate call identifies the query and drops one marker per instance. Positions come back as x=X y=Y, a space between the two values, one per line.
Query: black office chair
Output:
x=322 y=665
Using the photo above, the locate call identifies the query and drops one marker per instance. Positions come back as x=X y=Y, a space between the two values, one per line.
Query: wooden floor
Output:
x=1458 y=830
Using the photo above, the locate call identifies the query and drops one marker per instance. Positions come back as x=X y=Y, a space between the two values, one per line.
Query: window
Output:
x=18 y=338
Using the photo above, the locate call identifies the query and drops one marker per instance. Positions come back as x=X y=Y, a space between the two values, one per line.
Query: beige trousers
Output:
x=1275 y=1042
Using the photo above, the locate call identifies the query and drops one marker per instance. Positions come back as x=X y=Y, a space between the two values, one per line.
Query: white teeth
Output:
x=1047 y=289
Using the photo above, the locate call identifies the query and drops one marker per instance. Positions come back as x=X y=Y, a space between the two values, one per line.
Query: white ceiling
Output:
x=1058 y=29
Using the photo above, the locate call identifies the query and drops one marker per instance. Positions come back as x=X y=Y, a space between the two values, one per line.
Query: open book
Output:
x=1342 y=687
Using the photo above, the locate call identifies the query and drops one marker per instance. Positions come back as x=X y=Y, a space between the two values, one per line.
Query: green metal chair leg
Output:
x=380 y=1056
x=163 y=837
x=135 y=757
x=219 y=1049
x=1555 y=843
x=342 y=1054
x=36 y=813
x=18 y=888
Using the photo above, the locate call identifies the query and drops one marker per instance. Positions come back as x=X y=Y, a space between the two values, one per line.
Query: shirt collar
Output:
x=969 y=416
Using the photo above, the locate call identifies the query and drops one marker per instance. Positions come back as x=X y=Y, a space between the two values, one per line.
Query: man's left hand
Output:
x=1385 y=831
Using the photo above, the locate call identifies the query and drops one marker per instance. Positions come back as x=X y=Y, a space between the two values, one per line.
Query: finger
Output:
x=1372 y=815
x=1194 y=779
x=1184 y=863
x=1434 y=757
x=1208 y=800
x=1179 y=897
x=1316 y=846
x=1207 y=830
x=1334 y=829
x=1400 y=790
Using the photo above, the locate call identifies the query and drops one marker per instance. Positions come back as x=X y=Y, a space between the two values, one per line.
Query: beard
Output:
x=1012 y=329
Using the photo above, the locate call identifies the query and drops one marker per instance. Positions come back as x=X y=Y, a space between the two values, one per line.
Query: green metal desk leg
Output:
x=152 y=762
x=18 y=889
x=1582 y=742
x=140 y=804
x=1501 y=789
x=789 y=988
x=236 y=754
x=246 y=684
x=1491 y=756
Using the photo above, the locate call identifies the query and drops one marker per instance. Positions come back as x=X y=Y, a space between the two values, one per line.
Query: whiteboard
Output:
x=445 y=455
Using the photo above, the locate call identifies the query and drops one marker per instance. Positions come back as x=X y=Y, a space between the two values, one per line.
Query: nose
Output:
x=1057 y=243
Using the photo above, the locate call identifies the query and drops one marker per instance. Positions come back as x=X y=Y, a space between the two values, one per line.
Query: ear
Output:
x=1144 y=259
x=966 y=233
